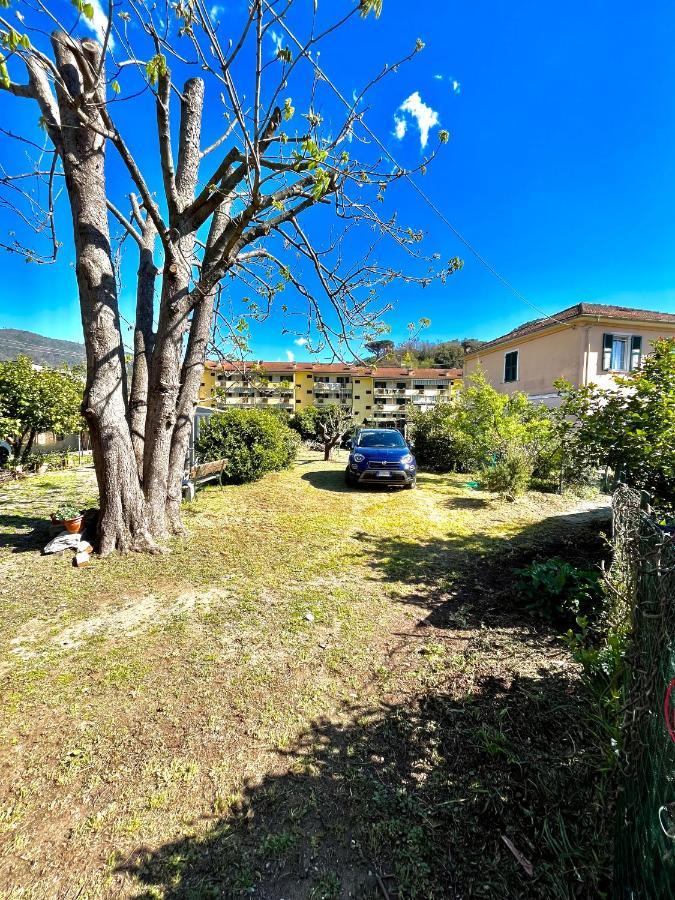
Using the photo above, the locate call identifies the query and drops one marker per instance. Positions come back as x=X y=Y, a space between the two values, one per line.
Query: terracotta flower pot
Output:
x=72 y=526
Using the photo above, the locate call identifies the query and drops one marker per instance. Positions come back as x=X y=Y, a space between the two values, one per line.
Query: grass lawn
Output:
x=321 y=693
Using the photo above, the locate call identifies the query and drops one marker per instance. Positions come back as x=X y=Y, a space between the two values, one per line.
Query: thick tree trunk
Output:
x=191 y=377
x=29 y=445
x=122 y=519
x=162 y=468
x=143 y=341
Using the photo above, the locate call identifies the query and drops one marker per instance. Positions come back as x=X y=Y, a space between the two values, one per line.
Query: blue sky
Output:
x=560 y=168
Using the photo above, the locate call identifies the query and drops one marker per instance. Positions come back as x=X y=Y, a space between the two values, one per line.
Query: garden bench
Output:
x=201 y=473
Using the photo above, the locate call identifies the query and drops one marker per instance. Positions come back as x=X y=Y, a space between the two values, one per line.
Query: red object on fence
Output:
x=669 y=710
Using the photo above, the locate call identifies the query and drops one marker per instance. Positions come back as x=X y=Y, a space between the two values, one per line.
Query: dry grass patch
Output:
x=252 y=710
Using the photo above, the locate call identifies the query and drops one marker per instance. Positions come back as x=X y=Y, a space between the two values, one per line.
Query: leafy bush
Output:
x=482 y=426
x=306 y=423
x=630 y=430
x=557 y=590
x=509 y=476
x=251 y=440
x=67 y=511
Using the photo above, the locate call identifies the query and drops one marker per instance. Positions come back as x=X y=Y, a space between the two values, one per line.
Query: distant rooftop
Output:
x=334 y=369
x=580 y=310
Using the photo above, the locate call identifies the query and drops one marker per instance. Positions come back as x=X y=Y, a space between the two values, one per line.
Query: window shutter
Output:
x=635 y=352
x=607 y=340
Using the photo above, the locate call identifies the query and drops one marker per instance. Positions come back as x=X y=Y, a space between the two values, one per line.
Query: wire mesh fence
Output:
x=643 y=578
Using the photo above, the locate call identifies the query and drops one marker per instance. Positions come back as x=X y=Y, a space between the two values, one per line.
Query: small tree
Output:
x=332 y=423
x=480 y=428
x=34 y=400
x=630 y=428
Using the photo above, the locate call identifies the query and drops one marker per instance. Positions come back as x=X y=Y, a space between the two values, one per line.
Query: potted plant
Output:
x=69 y=516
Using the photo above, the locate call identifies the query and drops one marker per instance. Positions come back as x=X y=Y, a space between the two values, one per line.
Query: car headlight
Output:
x=358 y=457
x=408 y=458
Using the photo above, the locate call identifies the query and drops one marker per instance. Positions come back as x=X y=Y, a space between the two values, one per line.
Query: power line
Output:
x=441 y=215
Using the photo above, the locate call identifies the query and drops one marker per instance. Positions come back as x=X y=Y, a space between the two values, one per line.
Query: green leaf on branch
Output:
x=85 y=8
x=288 y=109
x=368 y=6
x=444 y=136
x=156 y=68
x=284 y=54
x=321 y=183
x=115 y=86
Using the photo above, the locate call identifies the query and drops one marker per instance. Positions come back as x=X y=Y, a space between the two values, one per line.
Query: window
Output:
x=310 y=391
x=369 y=392
x=357 y=380
x=621 y=352
x=400 y=384
x=380 y=384
x=511 y=366
x=380 y=439
x=357 y=396
x=369 y=407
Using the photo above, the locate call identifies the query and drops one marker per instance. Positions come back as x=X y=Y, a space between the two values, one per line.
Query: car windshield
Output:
x=381 y=439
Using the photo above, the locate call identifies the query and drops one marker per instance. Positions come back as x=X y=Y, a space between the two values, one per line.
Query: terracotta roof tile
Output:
x=577 y=311
x=335 y=369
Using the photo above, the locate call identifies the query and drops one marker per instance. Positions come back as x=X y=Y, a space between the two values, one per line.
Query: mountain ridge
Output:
x=43 y=351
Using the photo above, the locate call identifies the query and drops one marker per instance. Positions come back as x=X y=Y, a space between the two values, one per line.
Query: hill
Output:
x=44 y=351
x=422 y=354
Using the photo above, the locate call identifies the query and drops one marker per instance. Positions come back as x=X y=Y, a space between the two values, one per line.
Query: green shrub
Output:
x=306 y=423
x=559 y=591
x=509 y=476
x=252 y=441
x=631 y=431
x=480 y=425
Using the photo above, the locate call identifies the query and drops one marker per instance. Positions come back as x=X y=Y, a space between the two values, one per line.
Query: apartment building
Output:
x=379 y=395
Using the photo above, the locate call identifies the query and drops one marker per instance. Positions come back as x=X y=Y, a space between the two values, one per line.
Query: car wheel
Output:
x=411 y=485
x=349 y=480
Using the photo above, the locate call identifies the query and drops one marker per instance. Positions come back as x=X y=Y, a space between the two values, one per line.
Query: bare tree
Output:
x=199 y=226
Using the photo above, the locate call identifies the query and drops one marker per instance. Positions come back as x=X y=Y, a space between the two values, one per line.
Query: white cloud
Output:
x=99 y=23
x=290 y=355
x=216 y=12
x=300 y=341
x=438 y=77
x=424 y=115
x=277 y=40
x=400 y=127
x=456 y=86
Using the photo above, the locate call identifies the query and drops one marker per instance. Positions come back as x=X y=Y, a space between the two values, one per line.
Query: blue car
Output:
x=380 y=456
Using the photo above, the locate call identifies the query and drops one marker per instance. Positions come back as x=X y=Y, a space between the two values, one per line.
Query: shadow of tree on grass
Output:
x=474 y=766
x=419 y=795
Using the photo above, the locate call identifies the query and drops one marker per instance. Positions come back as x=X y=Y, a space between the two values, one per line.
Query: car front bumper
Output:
x=388 y=476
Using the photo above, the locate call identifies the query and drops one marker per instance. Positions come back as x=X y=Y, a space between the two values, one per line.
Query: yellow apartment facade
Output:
x=379 y=395
x=589 y=343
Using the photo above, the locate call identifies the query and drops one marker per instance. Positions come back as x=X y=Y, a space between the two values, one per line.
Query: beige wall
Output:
x=573 y=352
x=540 y=361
